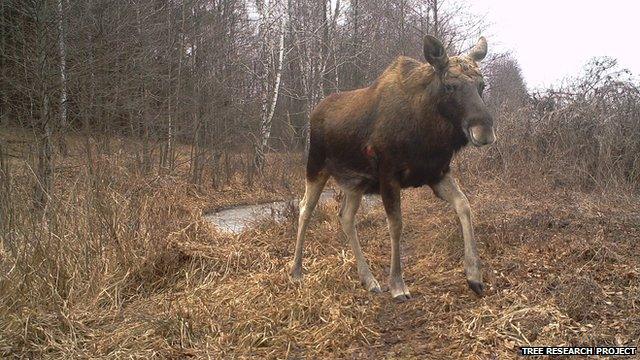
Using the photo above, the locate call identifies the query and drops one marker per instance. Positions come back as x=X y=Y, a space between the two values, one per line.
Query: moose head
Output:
x=460 y=85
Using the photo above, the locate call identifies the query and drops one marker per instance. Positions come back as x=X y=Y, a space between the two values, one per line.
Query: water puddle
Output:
x=236 y=219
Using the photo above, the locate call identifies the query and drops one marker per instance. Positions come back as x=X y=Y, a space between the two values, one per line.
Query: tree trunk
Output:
x=357 y=78
x=197 y=148
x=4 y=101
x=62 y=52
x=333 y=46
x=267 y=117
x=41 y=87
x=45 y=156
x=170 y=131
x=324 y=61
x=436 y=30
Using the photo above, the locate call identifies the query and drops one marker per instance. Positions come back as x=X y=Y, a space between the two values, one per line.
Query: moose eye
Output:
x=449 y=88
x=480 y=88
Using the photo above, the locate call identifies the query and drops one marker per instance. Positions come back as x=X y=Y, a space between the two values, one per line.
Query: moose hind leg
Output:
x=348 y=211
x=447 y=189
x=313 y=189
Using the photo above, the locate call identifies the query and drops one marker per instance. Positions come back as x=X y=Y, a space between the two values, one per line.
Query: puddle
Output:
x=239 y=218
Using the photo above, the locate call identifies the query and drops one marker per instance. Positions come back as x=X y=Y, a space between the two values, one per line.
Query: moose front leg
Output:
x=390 y=193
x=447 y=189
x=350 y=205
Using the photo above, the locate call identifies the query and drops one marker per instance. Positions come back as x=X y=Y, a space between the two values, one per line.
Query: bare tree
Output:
x=268 y=107
x=190 y=72
x=62 y=50
x=506 y=83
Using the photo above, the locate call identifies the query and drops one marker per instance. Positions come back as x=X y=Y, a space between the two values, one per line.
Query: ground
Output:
x=140 y=274
x=560 y=269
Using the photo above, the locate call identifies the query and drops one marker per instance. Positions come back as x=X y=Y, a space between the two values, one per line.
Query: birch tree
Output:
x=224 y=77
x=268 y=103
x=312 y=40
x=62 y=50
x=41 y=87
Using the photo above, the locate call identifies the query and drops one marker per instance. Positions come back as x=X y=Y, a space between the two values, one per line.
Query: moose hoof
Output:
x=476 y=286
x=400 y=293
x=402 y=297
x=371 y=284
x=296 y=275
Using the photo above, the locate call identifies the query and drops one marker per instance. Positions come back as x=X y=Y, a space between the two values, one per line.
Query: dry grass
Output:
x=122 y=265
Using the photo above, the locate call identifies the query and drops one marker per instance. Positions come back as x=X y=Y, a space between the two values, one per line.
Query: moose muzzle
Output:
x=481 y=135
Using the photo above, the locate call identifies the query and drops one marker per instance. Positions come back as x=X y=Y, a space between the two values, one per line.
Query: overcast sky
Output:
x=553 y=39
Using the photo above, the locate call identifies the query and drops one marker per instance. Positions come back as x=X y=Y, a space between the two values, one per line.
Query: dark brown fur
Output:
x=396 y=129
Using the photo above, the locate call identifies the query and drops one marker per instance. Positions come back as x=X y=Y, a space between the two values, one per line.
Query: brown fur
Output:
x=401 y=128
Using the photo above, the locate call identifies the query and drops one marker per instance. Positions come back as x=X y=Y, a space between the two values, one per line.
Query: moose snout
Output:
x=481 y=135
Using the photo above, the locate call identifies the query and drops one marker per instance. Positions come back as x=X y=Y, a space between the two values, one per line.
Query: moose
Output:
x=401 y=131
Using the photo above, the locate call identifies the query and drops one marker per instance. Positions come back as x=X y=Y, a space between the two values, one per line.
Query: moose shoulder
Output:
x=402 y=131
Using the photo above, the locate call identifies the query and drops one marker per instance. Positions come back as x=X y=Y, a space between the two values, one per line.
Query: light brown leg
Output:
x=350 y=206
x=448 y=190
x=390 y=193
x=312 y=192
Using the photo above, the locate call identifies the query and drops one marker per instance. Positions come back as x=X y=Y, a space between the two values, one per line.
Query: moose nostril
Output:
x=482 y=135
x=492 y=136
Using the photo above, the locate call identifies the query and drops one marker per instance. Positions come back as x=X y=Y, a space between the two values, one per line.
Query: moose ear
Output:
x=480 y=50
x=435 y=54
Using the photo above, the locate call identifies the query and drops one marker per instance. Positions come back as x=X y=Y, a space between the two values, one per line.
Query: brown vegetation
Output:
x=123 y=265
x=121 y=123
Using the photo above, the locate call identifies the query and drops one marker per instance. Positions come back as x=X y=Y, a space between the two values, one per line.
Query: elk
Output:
x=401 y=131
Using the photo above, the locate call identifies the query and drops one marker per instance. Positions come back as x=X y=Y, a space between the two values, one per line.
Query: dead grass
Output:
x=122 y=265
